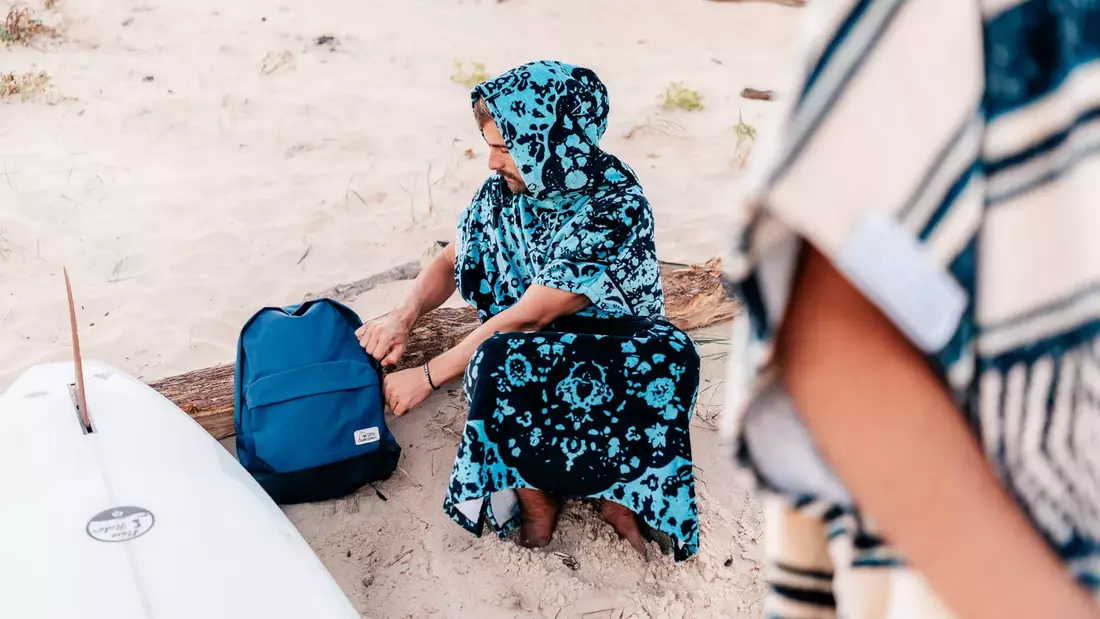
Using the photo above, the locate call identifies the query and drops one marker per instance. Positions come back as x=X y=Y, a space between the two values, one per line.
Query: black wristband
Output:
x=428 y=375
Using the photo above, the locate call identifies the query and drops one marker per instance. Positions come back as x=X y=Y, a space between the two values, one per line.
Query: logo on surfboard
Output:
x=120 y=524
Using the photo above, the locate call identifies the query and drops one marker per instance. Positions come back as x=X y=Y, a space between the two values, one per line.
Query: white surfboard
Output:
x=144 y=516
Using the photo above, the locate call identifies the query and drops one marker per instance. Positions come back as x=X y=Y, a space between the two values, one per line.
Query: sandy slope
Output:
x=206 y=158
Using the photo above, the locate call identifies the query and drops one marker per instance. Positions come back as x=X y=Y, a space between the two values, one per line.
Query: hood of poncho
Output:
x=552 y=116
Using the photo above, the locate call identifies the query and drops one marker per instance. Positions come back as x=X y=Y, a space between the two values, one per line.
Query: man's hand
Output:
x=405 y=390
x=385 y=338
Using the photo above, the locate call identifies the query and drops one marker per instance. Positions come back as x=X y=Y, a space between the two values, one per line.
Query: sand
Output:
x=402 y=557
x=194 y=161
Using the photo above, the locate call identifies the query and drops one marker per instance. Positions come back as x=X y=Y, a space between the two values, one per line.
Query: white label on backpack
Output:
x=367 y=435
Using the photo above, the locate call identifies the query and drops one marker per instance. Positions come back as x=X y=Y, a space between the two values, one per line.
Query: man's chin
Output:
x=515 y=187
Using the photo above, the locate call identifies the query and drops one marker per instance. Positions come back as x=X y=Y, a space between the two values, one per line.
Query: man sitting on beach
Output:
x=577 y=387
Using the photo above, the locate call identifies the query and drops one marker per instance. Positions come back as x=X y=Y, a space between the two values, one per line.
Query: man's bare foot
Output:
x=540 y=516
x=625 y=524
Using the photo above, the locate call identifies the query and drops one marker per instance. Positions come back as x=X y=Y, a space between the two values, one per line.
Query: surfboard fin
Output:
x=79 y=395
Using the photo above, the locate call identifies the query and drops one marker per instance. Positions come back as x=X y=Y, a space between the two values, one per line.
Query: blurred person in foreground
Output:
x=921 y=267
x=577 y=386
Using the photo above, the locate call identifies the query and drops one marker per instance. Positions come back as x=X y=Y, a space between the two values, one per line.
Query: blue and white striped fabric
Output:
x=945 y=156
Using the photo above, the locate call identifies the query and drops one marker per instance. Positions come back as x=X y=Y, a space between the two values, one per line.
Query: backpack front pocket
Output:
x=315 y=415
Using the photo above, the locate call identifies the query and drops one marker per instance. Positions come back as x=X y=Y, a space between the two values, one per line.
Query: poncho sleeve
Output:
x=606 y=252
x=878 y=167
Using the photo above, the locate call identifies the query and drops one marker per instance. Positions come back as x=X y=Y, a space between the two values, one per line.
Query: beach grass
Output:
x=5 y=246
x=746 y=137
x=723 y=342
x=23 y=85
x=21 y=27
x=744 y=130
x=471 y=77
x=680 y=97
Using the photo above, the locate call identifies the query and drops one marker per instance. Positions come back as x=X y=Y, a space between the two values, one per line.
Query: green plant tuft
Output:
x=679 y=97
x=469 y=78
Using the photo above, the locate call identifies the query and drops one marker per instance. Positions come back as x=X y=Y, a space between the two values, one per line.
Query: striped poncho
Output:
x=944 y=155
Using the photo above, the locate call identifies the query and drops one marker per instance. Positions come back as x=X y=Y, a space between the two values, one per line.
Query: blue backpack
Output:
x=309 y=406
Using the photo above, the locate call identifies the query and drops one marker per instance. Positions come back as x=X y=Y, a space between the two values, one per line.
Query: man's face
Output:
x=500 y=161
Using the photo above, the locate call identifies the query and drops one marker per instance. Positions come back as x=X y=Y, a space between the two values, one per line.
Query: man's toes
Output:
x=536 y=531
x=618 y=516
x=625 y=524
x=534 y=539
x=539 y=515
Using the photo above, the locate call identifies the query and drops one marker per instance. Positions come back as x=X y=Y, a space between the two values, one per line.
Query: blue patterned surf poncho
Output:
x=598 y=404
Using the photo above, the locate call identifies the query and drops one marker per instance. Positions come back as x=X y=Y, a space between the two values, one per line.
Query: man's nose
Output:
x=496 y=161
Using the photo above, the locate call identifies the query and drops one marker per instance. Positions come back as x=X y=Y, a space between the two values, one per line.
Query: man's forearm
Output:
x=896 y=439
x=452 y=363
x=539 y=307
x=432 y=288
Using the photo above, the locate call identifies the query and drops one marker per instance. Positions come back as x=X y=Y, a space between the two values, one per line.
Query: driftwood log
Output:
x=694 y=298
